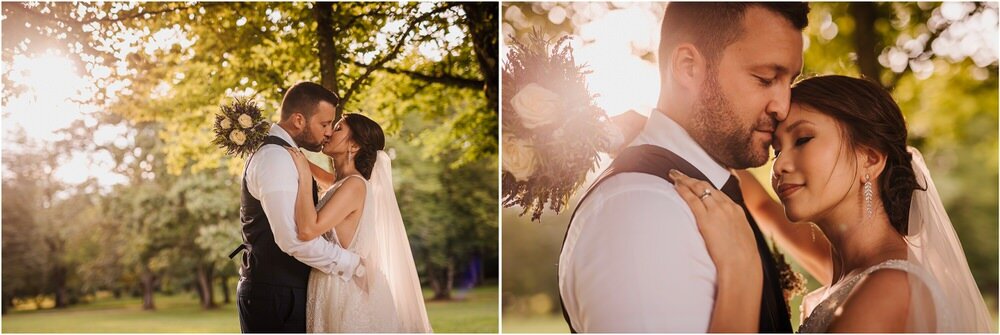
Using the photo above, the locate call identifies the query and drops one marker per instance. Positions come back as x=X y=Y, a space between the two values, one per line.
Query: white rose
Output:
x=518 y=158
x=245 y=121
x=536 y=105
x=238 y=137
x=226 y=124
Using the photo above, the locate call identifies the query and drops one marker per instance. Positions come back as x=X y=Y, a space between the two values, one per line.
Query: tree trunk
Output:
x=59 y=282
x=205 y=286
x=481 y=18
x=442 y=280
x=197 y=288
x=148 y=279
x=224 y=286
x=8 y=303
x=328 y=62
x=866 y=39
x=57 y=279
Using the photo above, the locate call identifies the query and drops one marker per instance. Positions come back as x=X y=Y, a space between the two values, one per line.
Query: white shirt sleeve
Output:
x=272 y=178
x=637 y=262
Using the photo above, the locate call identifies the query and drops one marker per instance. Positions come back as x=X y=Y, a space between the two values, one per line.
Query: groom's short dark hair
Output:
x=711 y=26
x=303 y=97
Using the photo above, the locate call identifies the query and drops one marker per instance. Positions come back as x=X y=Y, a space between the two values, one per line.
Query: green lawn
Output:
x=473 y=312
x=536 y=324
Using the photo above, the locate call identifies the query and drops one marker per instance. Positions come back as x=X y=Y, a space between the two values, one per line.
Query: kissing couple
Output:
x=340 y=263
x=671 y=237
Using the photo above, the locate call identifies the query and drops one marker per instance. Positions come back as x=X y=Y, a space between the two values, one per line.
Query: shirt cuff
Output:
x=349 y=269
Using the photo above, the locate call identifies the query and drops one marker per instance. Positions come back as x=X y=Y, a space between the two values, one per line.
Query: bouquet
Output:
x=792 y=283
x=552 y=130
x=240 y=127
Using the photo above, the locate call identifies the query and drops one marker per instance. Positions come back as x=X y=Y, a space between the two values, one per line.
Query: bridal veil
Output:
x=933 y=245
x=392 y=253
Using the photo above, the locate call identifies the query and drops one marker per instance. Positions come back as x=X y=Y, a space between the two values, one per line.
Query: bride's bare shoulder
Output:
x=879 y=303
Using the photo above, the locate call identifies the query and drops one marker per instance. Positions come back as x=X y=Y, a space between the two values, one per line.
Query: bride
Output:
x=359 y=212
x=886 y=252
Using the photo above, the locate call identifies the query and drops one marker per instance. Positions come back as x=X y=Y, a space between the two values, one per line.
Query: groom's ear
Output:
x=299 y=120
x=688 y=66
x=872 y=161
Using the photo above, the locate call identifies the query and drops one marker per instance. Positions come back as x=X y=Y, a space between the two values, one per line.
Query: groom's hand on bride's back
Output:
x=359 y=276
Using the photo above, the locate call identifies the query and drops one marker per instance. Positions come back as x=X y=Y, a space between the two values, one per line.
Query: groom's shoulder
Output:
x=632 y=199
x=269 y=156
x=636 y=189
x=630 y=182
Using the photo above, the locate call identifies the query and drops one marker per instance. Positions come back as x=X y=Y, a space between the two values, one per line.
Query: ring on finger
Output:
x=705 y=194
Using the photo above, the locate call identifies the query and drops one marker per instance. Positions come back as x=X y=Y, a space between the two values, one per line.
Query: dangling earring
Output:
x=868 y=196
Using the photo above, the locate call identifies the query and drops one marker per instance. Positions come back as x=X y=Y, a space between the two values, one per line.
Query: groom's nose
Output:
x=780 y=103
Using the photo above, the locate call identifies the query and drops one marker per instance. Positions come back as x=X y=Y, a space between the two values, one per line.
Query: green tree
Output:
x=176 y=62
x=426 y=71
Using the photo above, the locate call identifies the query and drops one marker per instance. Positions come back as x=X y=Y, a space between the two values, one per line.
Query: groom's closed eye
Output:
x=766 y=82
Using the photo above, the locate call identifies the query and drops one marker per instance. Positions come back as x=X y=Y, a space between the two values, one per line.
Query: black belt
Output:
x=238 y=249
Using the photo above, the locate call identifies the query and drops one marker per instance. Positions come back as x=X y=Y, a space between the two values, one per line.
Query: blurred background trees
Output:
x=110 y=180
x=938 y=59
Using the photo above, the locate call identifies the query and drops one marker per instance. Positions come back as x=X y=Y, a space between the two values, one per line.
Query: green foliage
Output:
x=162 y=70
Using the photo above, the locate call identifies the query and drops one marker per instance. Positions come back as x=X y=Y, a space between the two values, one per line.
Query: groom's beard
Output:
x=728 y=142
x=305 y=140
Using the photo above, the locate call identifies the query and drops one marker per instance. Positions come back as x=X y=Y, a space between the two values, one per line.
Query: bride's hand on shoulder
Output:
x=301 y=164
x=722 y=224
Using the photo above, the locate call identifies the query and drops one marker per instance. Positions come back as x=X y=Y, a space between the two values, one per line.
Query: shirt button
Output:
x=340 y=273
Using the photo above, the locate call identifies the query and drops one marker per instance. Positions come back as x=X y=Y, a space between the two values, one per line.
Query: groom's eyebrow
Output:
x=777 y=68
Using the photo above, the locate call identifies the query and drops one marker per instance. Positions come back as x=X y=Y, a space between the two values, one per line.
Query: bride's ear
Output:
x=872 y=161
x=688 y=66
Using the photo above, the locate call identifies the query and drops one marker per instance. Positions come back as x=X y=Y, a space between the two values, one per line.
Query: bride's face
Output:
x=340 y=142
x=814 y=170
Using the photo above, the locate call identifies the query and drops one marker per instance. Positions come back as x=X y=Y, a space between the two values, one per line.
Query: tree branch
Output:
x=393 y=52
x=445 y=79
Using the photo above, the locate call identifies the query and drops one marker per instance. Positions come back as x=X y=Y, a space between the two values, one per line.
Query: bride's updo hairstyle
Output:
x=370 y=139
x=869 y=117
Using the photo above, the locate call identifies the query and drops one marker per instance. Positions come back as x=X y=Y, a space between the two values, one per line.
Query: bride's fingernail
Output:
x=672 y=172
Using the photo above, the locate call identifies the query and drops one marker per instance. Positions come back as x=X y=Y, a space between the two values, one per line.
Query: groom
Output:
x=271 y=295
x=633 y=259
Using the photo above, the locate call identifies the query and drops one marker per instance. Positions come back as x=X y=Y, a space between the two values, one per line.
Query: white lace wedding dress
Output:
x=825 y=301
x=394 y=302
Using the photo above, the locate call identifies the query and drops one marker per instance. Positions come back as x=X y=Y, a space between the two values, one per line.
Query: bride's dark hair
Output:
x=870 y=118
x=369 y=137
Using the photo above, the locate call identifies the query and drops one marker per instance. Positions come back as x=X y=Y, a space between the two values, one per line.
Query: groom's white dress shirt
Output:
x=634 y=260
x=272 y=178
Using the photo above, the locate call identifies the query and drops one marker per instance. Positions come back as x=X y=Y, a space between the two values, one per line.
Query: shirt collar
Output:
x=276 y=130
x=664 y=132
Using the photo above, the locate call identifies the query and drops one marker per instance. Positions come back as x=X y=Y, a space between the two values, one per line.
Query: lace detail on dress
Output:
x=336 y=306
x=822 y=315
